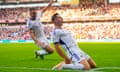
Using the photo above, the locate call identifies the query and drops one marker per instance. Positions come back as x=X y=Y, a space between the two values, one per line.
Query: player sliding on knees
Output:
x=75 y=58
x=37 y=32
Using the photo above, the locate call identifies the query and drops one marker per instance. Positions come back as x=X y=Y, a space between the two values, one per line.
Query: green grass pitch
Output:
x=19 y=57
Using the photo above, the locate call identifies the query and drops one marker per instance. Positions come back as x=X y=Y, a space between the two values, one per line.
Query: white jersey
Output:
x=69 y=44
x=63 y=37
x=38 y=29
x=36 y=26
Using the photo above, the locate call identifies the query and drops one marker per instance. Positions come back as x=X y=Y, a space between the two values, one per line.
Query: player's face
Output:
x=33 y=14
x=59 y=20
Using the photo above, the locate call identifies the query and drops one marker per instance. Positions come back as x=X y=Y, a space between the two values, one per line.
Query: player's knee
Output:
x=51 y=51
x=87 y=67
x=94 y=65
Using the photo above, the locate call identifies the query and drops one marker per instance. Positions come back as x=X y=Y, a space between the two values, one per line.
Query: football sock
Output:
x=42 y=52
x=73 y=66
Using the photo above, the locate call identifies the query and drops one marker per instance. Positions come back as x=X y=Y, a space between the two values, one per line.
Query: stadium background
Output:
x=89 y=21
x=85 y=19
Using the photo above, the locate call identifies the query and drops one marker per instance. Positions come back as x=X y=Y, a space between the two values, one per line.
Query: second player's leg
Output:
x=83 y=65
x=92 y=63
x=49 y=49
x=46 y=49
x=86 y=64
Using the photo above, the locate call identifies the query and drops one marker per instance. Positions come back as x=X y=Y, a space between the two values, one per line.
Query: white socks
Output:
x=73 y=66
x=42 y=52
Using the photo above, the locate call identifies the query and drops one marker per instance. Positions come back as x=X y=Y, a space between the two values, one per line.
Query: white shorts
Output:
x=44 y=41
x=78 y=55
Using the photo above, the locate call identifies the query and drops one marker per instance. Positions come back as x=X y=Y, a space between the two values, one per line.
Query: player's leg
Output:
x=46 y=49
x=86 y=64
x=92 y=63
x=41 y=53
x=49 y=49
x=89 y=59
x=83 y=65
x=62 y=65
x=73 y=66
x=79 y=58
x=47 y=46
x=78 y=62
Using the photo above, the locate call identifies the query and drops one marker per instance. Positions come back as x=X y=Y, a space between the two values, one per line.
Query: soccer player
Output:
x=74 y=58
x=37 y=32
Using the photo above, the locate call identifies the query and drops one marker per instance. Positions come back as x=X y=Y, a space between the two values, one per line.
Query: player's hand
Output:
x=67 y=60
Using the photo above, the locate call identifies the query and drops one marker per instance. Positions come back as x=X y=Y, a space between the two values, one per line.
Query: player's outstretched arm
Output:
x=49 y=5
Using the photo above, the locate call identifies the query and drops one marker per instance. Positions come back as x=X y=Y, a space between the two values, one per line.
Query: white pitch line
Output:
x=92 y=70
x=31 y=68
x=102 y=68
x=25 y=68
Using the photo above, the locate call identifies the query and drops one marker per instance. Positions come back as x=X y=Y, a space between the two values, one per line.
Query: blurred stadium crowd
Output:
x=80 y=30
x=84 y=11
x=91 y=30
